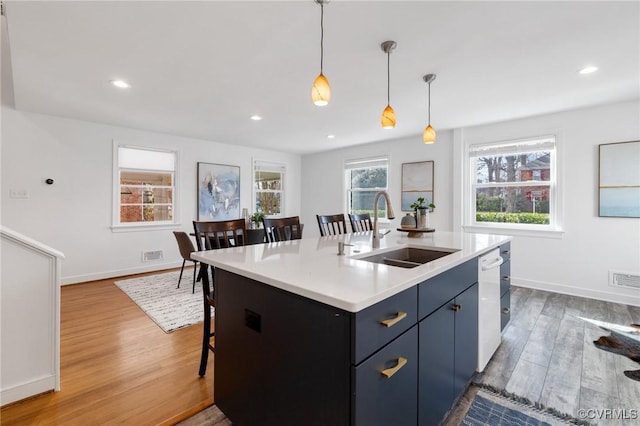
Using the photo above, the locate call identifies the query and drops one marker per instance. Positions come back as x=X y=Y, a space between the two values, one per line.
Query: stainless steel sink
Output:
x=407 y=257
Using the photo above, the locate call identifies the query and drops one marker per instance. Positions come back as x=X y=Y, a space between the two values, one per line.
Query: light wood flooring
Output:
x=118 y=366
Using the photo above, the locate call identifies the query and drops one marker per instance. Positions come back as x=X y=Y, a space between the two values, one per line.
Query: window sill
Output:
x=515 y=231
x=145 y=227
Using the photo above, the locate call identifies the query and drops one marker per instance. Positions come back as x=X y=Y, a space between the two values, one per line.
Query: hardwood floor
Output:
x=117 y=366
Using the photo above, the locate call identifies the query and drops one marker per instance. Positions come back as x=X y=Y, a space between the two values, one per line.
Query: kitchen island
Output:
x=305 y=336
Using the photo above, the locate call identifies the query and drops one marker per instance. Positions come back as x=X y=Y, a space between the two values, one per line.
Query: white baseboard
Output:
x=74 y=279
x=27 y=389
x=608 y=296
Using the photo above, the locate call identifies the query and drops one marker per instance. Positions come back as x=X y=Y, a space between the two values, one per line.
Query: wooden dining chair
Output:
x=212 y=236
x=185 y=245
x=334 y=224
x=282 y=229
x=360 y=222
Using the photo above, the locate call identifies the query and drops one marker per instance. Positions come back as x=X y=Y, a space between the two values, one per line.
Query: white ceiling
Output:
x=201 y=69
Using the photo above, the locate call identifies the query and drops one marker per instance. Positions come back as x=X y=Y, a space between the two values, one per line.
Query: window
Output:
x=145 y=184
x=513 y=184
x=363 y=178
x=268 y=188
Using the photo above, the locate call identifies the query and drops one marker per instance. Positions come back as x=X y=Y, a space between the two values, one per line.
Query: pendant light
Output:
x=321 y=91
x=429 y=134
x=388 y=119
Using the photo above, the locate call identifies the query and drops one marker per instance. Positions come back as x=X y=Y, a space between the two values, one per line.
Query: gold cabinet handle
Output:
x=393 y=370
x=506 y=278
x=391 y=321
x=456 y=308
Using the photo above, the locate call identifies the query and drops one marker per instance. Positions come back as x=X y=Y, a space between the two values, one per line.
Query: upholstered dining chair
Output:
x=360 y=222
x=282 y=229
x=185 y=245
x=334 y=224
x=212 y=236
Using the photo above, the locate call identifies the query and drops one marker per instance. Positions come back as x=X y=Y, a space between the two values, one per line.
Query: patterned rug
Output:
x=170 y=307
x=496 y=407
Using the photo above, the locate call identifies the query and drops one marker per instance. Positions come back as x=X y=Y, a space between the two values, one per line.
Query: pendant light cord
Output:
x=321 y=35
x=429 y=107
x=388 y=74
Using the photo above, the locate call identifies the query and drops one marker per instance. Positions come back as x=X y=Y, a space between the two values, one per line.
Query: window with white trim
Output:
x=514 y=184
x=268 y=188
x=145 y=186
x=363 y=178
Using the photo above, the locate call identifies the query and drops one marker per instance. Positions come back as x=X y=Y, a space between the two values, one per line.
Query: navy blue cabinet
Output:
x=448 y=355
x=283 y=359
x=385 y=386
x=505 y=285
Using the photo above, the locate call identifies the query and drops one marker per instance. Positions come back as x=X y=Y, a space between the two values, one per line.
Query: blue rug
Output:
x=484 y=412
x=496 y=407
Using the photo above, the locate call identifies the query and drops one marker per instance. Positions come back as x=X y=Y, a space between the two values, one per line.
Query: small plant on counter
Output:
x=420 y=203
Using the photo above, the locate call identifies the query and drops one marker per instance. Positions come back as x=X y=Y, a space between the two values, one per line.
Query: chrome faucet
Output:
x=375 y=242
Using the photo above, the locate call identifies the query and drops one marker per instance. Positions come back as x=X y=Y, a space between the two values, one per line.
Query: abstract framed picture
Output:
x=218 y=192
x=417 y=181
x=619 y=179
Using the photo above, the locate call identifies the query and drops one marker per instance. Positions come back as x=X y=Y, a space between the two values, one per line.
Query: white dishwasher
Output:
x=488 y=306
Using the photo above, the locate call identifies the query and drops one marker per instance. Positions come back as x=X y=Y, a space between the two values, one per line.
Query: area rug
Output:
x=169 y=307
x=496 y=407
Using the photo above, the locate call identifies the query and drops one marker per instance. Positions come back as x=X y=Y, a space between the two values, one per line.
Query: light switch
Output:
x=18 y=193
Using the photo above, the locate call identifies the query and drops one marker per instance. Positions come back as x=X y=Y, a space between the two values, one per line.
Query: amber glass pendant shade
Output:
x=388 y=119
x=321 y=91
x=429 y=135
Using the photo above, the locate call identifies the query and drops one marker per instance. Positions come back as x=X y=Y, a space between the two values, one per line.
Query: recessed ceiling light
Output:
x=256 y=117
x=120 y=83
x=331 y=136
x=588 y=70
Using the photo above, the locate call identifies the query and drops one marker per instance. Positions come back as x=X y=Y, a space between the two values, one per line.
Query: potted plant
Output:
x=256 y=219
x=420 y=207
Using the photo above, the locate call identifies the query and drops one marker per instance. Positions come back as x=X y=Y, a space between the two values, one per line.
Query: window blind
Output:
x=515 y=147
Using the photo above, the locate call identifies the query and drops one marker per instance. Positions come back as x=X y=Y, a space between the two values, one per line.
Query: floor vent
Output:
x=624 y=279
x=148 y=256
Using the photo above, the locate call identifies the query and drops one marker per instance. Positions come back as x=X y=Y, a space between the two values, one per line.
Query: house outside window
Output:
x=145 y=186
x=363 y=178
x=268 y=188
x=514 y=184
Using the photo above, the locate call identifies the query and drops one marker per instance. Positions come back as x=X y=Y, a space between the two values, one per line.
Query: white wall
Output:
x=30 y=337
x=74 y=214
x=323 y=178
x=591 y=246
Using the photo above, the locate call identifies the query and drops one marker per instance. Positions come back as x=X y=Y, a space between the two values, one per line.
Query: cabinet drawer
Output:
x=381 y=400
x=505 y=309
x=436 y=291
x=505 y=277
x=377 y=325
x=505 y=251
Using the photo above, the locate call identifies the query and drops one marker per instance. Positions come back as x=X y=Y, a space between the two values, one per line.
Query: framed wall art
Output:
x=417 y=181
x=218 y=192
x=619 y=179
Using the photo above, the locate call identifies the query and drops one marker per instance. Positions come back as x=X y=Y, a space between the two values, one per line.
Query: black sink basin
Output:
x=407 y=257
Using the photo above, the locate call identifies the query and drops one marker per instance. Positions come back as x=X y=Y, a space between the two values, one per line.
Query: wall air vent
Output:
x=624 y=279
x=148 y=256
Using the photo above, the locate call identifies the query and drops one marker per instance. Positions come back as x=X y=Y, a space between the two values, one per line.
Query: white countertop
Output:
x=311 y=267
